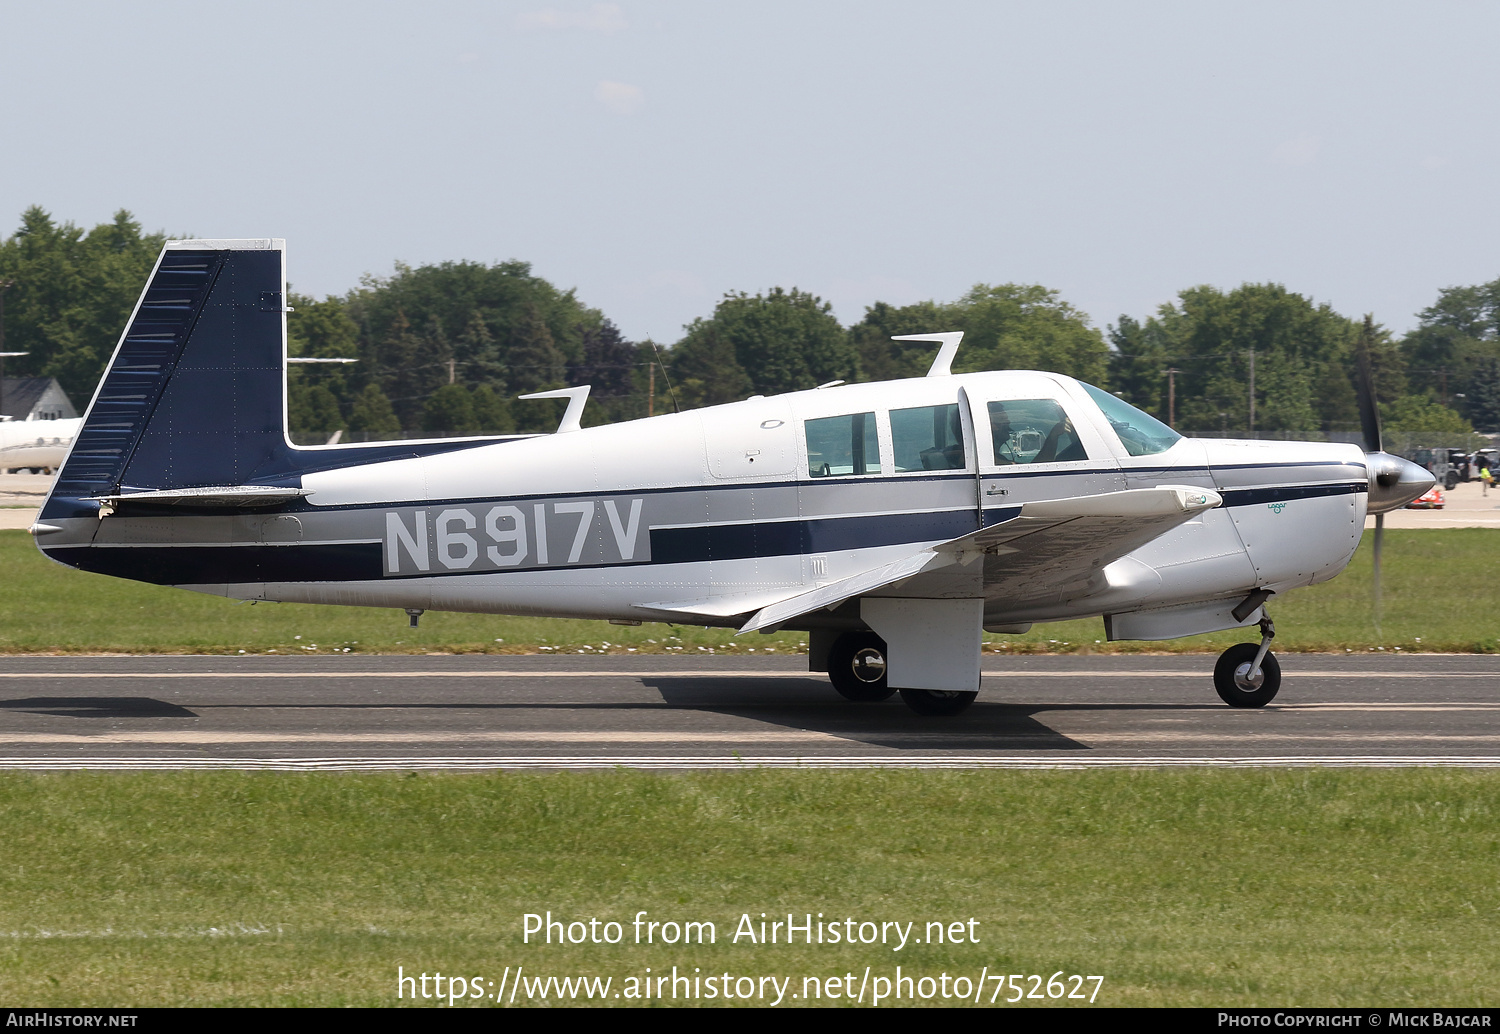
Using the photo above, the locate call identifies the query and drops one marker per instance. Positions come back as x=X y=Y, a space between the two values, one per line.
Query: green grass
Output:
x=1203 y=888
x=1441 y=594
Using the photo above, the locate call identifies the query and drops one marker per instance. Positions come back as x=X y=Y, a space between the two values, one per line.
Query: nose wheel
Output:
x=856 y=667
x=1237 y=686
x=1248 y=674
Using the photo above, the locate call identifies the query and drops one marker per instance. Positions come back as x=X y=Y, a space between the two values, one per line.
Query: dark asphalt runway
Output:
x=352 y=712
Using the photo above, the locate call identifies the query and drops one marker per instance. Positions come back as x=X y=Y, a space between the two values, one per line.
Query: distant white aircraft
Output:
x=894 y=522
x=36 y=445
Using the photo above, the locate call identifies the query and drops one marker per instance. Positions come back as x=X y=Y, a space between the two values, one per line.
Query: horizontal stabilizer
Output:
x=218 y=497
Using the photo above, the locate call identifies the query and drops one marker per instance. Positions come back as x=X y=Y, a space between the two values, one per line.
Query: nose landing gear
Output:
x=1248 y=675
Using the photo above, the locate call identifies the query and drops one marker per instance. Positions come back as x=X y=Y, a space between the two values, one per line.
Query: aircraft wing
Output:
x=1046 y=546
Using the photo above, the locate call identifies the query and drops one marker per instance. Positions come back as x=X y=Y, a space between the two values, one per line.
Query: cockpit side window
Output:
x=843 y=445
x=1033 y=431
x=928 y=438
x=1140 y=433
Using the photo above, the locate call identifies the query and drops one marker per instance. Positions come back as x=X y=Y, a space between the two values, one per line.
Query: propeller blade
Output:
x=1369 y=407
x=1379 y=538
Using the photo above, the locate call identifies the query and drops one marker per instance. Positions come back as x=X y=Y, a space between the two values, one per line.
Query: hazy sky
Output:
x=654 y=155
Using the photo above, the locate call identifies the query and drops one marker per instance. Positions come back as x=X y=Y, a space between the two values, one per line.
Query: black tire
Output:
x=1231 y=682
x=937 y=702
x=1450 y=481
x=856 y=667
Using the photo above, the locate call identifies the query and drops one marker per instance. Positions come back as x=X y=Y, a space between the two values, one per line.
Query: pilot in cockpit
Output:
x=1033 y=431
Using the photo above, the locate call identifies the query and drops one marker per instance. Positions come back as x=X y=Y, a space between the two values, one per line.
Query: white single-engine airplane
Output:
x=894 y=522
x=36 y=445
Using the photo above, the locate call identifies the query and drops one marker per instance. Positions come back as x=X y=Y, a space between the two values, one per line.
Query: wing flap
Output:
x=837 y=592
x=725 y=605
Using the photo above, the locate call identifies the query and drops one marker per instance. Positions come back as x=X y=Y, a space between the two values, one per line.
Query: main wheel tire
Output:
x=856 y=667
x=1232 y=677
x=937 y=702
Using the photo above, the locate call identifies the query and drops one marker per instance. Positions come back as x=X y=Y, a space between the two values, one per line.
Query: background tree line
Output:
x=444 y=349
x=1442 y=376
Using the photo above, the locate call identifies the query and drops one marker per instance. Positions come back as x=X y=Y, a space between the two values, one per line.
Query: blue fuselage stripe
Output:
x=1253 y=496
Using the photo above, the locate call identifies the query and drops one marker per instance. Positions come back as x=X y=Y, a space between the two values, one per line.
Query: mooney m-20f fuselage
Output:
x=894 y=521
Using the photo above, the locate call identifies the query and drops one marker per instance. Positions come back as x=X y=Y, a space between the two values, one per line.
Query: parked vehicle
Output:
x=1437 y=463
x=1433 y=500
x=1448 y=466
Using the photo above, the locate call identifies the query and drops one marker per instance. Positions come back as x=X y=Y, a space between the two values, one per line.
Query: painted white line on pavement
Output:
x=356 y=764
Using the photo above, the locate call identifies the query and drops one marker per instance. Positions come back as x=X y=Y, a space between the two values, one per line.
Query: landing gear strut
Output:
x=1248 y=675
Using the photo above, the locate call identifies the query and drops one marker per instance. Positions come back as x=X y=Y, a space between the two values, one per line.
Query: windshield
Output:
x=1140 y=433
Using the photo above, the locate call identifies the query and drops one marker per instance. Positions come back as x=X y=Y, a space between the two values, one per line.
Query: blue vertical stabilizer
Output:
x=195 y=395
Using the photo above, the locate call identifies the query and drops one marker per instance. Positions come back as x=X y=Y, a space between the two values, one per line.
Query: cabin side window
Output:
x=928 y=438
x=1033 y=431
x=843 y=445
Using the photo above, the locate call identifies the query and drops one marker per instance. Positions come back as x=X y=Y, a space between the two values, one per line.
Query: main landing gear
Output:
x=857 y=669
x=1248 y=675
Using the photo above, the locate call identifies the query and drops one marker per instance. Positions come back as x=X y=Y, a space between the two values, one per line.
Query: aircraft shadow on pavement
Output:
x=99 y=707
x=817 y=708
x=814 y=706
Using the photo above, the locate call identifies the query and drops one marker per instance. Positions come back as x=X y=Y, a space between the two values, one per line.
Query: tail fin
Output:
x=195 y=395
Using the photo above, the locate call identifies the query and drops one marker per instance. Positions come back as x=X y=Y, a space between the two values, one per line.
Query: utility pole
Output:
x=452 y=367
x=5 y=285
x=1252 y=392
x=1172 y=373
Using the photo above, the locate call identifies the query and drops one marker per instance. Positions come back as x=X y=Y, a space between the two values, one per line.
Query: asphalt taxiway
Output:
x=354 y=712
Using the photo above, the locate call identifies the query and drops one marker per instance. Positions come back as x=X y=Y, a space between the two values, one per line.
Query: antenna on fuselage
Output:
x=942 y=366
x=576 y=398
